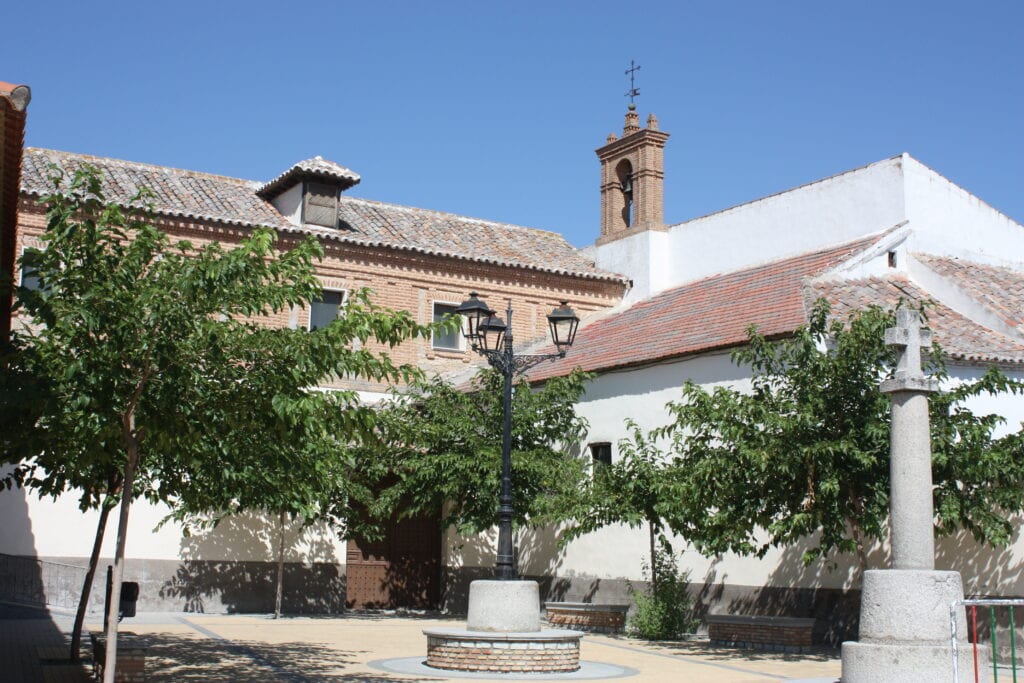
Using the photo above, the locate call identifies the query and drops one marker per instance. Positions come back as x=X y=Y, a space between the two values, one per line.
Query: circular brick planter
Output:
x=546 y=651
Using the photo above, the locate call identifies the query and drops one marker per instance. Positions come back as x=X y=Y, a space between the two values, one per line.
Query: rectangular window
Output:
x=321 y=204
x=601 y=453
x=451 y=340
x=29 y=278
x=325 y=309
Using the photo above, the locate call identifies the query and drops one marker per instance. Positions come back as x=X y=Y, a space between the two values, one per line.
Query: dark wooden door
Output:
x=402 y=570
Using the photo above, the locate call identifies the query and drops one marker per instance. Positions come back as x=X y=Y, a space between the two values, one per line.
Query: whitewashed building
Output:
x=890 y=230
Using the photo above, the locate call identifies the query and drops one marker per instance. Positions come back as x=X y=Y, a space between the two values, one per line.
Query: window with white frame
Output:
x=452 y=339
x=325 y=308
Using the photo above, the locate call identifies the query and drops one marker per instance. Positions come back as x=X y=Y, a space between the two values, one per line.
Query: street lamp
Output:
x=491 y=337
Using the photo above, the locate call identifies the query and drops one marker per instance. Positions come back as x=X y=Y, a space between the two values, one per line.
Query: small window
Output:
x=325 y=308
x=29 y=277
x=451 y=340
x=321 y=205
x=601 y=453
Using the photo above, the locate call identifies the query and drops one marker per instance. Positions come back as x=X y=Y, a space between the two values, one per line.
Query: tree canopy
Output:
x=804 y=454
x=441 y=446
x=147 y=365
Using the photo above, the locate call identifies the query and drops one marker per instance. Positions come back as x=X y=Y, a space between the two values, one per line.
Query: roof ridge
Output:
x=851 y=245
x=185 y=171
x=801 y=186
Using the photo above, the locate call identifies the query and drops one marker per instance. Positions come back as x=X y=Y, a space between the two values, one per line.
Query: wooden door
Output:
x=401 y=570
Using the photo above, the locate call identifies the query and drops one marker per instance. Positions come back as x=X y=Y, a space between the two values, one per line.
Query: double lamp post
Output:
x=491 y=337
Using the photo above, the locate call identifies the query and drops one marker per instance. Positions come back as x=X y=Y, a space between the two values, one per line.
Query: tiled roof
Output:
x=203 y=196
x=1001 y=290
x=959 y=336
x=178 y=193
x=438 y=232
x=702 y=316
x=318 y=168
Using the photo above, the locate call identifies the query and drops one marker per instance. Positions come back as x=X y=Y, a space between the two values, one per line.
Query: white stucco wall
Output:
x=56 y=528
x=618 y=552
x=289 y=204
x=838 y=209
x=949 y=220
x=939 y=217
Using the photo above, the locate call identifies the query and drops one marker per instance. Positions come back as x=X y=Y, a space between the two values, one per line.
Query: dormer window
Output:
x=307 y=193
x=320 y=204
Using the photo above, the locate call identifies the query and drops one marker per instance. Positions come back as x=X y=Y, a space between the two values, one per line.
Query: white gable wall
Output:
x=950 y=221
x=822 y=214
x=940 y=217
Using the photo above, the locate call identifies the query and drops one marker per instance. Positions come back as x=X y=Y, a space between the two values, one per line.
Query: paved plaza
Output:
x=370 y=648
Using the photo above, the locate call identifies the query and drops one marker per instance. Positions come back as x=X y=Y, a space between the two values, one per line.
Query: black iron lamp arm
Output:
x=517 y=364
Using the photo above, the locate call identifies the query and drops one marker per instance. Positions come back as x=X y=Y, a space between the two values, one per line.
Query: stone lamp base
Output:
x=503 y=634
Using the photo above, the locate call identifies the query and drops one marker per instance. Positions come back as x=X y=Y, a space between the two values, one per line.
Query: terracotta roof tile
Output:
x=959 y=336
x=317 y=167
x=207 y=197
x=714 y=313
x=701 y=316
x=1001 y=290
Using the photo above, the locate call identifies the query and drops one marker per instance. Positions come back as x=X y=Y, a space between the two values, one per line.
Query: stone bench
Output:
x=778 y=634
x=586 y=616
x=131 y=656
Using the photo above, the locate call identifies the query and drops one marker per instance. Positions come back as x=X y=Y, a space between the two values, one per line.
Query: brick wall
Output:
x=503 y=656
x=403 y=280
x=769 y=633
x=586 y=617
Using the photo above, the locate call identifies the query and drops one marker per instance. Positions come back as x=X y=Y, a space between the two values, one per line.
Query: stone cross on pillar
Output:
x=910 y=463
x=904 y=632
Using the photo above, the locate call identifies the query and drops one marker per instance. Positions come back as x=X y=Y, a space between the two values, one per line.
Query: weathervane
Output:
x=631 y=72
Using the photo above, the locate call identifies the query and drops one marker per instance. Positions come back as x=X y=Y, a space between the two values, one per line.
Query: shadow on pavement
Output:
x=704 y=649
x=194 y=658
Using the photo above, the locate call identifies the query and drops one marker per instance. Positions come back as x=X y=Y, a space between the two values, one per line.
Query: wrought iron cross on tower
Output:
x=631 y=72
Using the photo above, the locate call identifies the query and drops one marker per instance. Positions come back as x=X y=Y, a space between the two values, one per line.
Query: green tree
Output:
x=441 y=448
x=633 y=490
x=806 y=450
x=144 y=369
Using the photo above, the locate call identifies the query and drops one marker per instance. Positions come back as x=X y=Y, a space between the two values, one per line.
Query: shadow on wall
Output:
x=538 y=558
x=24 y=577
x=314 y=582
x=793 y=589
x=988 y=572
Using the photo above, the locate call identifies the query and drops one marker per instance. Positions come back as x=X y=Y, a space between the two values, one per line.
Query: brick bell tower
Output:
x=632 y=179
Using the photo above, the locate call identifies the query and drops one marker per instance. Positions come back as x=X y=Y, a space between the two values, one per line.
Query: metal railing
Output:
x=972 y=606
x=40 y=582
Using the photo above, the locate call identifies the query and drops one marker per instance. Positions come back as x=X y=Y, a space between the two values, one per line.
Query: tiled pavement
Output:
x=239 y=649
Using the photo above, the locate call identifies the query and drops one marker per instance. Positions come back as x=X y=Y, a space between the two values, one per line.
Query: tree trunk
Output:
x=280 y=570
x=90 y=575
x=132 y=444
x=654 y=562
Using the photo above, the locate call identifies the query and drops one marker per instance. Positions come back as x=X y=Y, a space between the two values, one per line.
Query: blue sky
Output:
x=494 y=109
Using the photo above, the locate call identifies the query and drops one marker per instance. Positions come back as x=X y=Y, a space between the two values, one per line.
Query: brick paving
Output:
x=256 y=648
